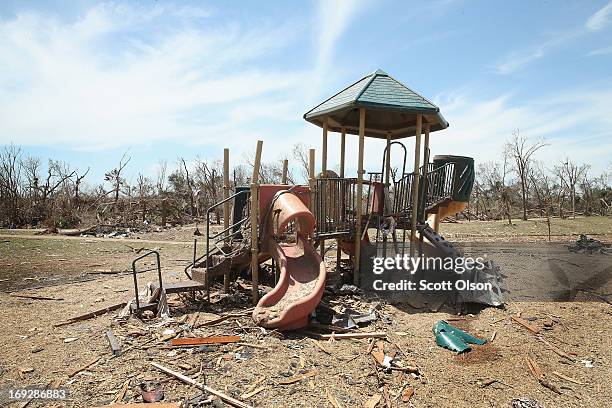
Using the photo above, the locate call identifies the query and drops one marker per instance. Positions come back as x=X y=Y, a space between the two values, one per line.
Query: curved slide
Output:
x=302 y=271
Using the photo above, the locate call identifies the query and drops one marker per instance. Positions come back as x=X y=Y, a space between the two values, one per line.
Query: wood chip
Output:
x=197 y=341
x=407 y=394
x=298 y=377
x=567 y=378
x=332 y=400
x=373 y=401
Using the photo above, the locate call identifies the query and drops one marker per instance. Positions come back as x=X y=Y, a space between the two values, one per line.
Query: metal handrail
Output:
x=134 y=272
x=208 y=212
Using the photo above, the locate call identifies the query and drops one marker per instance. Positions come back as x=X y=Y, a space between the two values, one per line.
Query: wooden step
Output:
x=182 y=286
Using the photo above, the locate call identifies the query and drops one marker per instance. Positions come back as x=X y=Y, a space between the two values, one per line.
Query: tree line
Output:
x=55 y=194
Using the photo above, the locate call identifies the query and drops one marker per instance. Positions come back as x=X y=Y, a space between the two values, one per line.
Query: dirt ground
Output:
x=562 y=294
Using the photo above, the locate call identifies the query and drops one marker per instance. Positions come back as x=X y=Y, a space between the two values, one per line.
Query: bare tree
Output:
x=116 y=179
x=493 y=176
x=522 y=151
x=570 y=173
x=543 y=187
x=189 y=184
x=300 y=154
x=160 y=181
x=77 y=185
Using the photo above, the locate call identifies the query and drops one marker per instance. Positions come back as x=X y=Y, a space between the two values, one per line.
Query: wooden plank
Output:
x=526 y=324
x=359 y=210
x=197 y=341
x=185 y=379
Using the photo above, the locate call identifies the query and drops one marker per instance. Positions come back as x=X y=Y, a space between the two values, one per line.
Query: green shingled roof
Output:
x=391 y=108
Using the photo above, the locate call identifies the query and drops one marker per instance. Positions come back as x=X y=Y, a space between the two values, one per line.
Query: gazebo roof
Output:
x=391 y=108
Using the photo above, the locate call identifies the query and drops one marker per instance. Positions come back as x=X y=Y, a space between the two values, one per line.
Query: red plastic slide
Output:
x=302 y=271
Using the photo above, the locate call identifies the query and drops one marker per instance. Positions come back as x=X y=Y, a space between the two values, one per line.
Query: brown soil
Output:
x=60 y=266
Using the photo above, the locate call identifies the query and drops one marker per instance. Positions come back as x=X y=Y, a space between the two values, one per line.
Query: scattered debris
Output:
x=297 y=378
x=201 y=386
x=70 y=339
x=452 y=338
x=151 y=392
x=585 y=245
x=197 y=341
x=525 y=403
x=587 y=363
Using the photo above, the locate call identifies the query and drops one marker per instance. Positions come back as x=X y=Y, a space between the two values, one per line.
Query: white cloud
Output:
x=574 y=122
x=334 y=17
x=600 y=19
x=600 y=51
x=518 y=59
x=120 y=76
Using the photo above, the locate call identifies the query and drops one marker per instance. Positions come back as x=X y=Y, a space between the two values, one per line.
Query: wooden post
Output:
x=226 y=208
x=359 y=209
x=326 y=200
x=388 y=160
x=342 y=197
x=415 y=184
x=311 y=182
x=342 y=151
x=285 y=169
x=255 y=223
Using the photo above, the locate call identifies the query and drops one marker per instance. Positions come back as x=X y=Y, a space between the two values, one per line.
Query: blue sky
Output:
x=85 y=81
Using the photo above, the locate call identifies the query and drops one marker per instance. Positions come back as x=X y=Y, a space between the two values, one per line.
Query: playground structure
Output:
x=286 y=223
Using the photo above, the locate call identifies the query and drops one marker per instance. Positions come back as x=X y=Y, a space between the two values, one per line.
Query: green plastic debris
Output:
x=452 y=338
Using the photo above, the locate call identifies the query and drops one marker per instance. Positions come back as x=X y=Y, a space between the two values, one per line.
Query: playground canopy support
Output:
x=377 y=106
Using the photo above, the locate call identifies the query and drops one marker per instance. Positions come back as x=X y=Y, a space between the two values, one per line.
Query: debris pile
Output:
x=585 y=245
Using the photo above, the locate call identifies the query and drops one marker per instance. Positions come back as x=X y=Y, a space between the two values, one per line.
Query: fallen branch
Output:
x=201 y=386
x=35 y=297
x=557 y=350
x=91 y=315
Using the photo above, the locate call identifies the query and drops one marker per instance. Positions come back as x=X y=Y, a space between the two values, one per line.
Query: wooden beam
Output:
x=311 y=181
x=342 y=159
x=255 y=222
x=415 y=185
x=359 y=209
x=324 y=174
x=226 y=207
x=342 y=151
x=285 y=169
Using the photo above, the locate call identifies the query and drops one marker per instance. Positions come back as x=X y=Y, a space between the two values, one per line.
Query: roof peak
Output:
x=380 y=72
